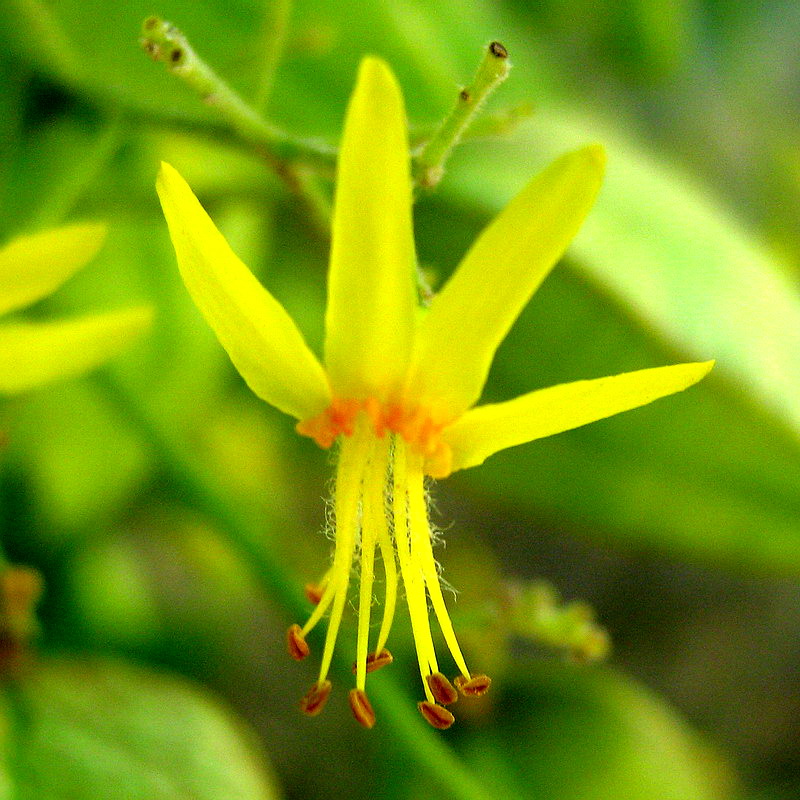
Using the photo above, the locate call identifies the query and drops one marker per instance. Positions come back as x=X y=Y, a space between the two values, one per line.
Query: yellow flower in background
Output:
x=399 y=383
x=35 y=353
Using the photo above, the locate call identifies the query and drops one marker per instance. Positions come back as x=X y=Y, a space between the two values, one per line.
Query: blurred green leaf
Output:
x=595 y=735
x=93 y=728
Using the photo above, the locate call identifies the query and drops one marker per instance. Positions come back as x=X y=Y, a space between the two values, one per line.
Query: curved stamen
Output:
x=315 y=591
x=388 y=557
x=322 y=604
x=352 y=462
x=421 y=543
x=374 y=484
x=411 y=570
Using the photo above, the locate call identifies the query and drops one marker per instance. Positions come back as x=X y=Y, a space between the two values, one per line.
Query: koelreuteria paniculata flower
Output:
x=398 y=384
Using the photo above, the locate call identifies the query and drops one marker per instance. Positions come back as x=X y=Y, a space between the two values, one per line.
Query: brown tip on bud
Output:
x=362 y=708
x=474 y=686
x=376 y=660
x=150 y=23
x=313 y=592
x=176 y=55
x=20 y=589
x=498 y=50
x=464 y=96
x=315 y=699
x=442 y=689
x=437 y=716
x=296 y=643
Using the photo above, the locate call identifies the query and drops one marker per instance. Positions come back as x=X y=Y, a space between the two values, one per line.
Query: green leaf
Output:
x=596 y=735
x=97 y=728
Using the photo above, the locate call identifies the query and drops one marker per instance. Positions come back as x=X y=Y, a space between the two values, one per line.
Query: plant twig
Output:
x=429 y=163
x=489 y=125
x=165 y=43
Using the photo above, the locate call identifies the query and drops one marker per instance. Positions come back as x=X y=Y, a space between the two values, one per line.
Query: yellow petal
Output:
x=488 y=429
x=33 y=267
x=371 y=291
x=261 y=338
x=467 y=321
x=33 y=354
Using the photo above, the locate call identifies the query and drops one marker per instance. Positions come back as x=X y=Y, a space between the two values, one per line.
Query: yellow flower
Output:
x=34 y=353
x=399 y=383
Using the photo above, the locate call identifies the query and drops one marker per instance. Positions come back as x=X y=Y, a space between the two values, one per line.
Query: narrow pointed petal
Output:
x=371 y=291
x=467 y=321
x=33 y=354
x=261 y=338
x=488 y=429
x=33 y=267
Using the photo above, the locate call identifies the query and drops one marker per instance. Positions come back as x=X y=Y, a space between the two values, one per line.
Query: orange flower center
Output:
x=415 y=425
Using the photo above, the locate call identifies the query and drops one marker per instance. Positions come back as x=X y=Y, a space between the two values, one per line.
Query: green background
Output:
x=162 y=666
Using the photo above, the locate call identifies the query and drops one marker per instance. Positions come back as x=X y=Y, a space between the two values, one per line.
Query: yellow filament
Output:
x=423 y=553
x=387 y=551
x=410 y=570
x=325 y=580
x=324 y=601
x=372 y=513
x=352 y=461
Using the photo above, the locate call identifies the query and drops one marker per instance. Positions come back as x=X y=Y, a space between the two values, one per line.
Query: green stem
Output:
x=489 y=125
x=429 y=163
x=273 y=43
x=198 y=489
x=163 y=42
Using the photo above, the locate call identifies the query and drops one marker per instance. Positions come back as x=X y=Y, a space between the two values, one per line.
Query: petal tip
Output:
x=704 y=367
x=373 y=68
x=167 y=174
x=375 y=77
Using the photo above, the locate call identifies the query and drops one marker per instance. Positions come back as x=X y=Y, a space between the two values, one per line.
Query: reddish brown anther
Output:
x=474 y=686
x=437 y=716
x=314 y=592
x=376 y=661
x=442 y=689
x=362 y=708
x=296 y=643
x=315 y=699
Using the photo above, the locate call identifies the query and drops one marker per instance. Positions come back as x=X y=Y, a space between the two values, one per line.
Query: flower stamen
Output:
x=314 y=700
x=421 y=543
x=474 y=686
x=412 y=576
x=352 y=462
x=443 y=691
x=296 y=643
x=375 y=661
x=373 y=518
x=361 y=708
x=380 y=501
x=437 y=716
